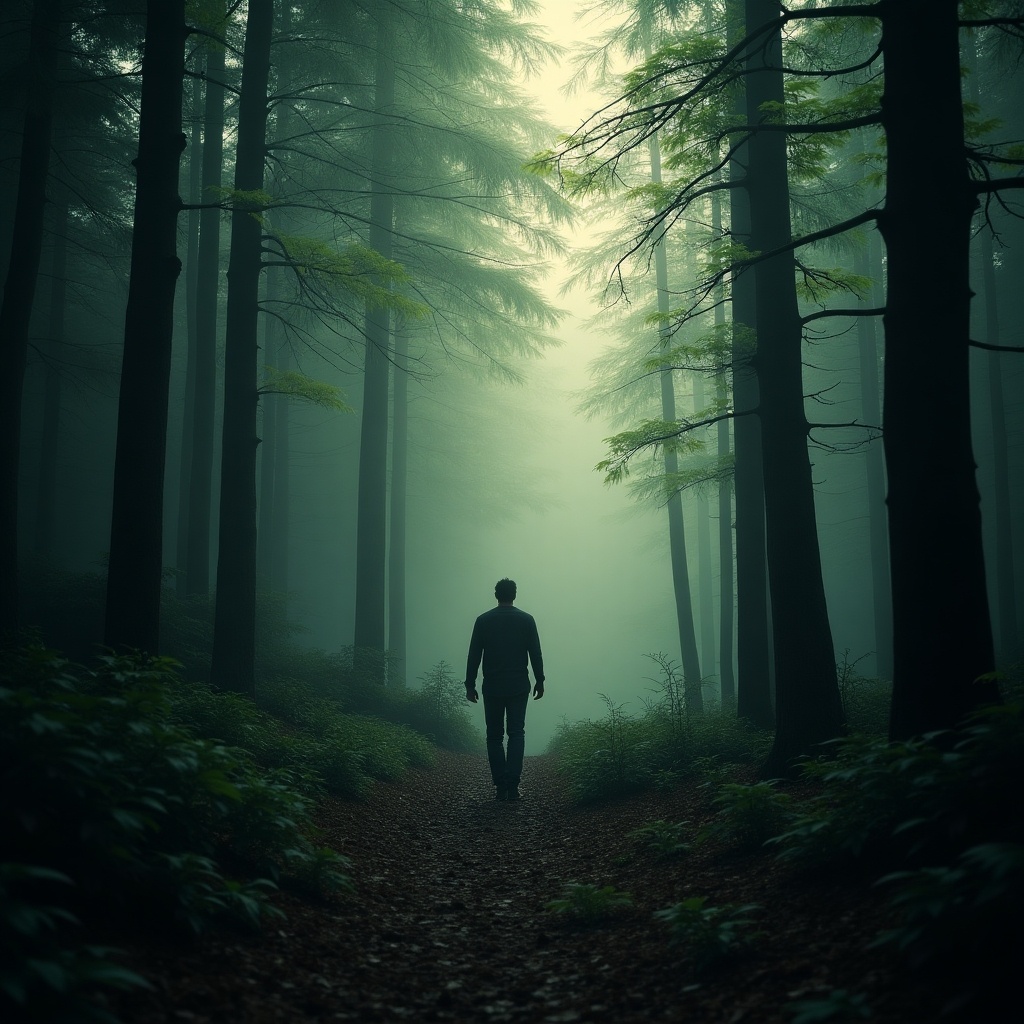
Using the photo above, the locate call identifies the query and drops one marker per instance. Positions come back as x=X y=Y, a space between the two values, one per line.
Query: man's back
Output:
x=506 y=636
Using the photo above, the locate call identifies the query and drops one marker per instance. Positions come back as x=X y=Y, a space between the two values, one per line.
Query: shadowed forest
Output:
x=702 y=320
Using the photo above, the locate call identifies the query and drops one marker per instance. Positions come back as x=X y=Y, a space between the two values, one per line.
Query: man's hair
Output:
x=505 y=590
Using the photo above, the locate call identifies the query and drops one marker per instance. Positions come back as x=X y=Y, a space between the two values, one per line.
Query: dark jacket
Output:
x=505 y=637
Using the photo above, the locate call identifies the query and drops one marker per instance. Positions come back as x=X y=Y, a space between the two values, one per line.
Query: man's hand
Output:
x=538 y=691
x=471 y=695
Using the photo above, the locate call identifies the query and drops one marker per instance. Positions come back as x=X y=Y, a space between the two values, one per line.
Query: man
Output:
x=505 y=637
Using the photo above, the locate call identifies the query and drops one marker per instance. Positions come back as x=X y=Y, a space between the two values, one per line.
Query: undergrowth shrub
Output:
x=943 y=816
x=437 y=708
x=665 y=839
x=747 y=814
x=103 y=785
x=865 y=700
x=622 y=753
x=709 y=935
x=588 y=904
x=45 y=974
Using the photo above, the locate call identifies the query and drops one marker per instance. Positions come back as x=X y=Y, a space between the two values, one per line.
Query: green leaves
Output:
x=748 y=815
x=710 y=934
x=298 y=385
x=649 y=434
x=587 y=904
x=665 y=839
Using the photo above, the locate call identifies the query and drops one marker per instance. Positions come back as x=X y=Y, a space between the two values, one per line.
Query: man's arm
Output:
x=536 y=660
x=476 y=651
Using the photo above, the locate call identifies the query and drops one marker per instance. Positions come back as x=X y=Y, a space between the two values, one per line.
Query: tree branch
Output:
x=995 y=348
x=875 y=311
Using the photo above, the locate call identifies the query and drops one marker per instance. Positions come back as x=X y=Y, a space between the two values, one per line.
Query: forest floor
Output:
x=448 y=922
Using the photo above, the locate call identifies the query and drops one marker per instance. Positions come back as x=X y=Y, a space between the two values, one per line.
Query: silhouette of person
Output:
x=505 y=637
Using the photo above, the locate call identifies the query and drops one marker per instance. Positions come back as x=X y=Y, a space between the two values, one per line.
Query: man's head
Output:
x=505 y=591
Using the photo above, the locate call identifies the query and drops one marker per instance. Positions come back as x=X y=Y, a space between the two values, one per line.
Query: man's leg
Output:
x=494 y=719
x=516 y=740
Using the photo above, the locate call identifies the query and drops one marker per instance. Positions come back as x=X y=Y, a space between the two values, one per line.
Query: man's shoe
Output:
x=500 y=793
x=513 y=793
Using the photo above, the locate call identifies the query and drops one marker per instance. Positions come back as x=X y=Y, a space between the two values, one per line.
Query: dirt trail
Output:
x=448 y=922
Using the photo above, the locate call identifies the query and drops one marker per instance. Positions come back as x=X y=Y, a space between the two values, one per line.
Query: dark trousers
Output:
x=501 y=713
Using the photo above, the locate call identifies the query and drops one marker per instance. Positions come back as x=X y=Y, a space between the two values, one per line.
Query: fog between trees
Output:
x=513 y=384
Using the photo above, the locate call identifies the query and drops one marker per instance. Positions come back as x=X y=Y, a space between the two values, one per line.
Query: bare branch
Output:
x=995 y=348
x=875 y=311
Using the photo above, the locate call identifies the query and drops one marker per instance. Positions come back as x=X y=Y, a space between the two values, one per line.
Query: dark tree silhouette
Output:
x=807 y=704
x=942 y=635
x=234 y=637
x=20 y=284
x=136 y=533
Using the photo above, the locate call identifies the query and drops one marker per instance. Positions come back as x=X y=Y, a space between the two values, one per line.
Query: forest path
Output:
x=448 y=921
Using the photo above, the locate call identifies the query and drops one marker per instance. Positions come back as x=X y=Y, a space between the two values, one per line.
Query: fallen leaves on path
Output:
x=448 y=922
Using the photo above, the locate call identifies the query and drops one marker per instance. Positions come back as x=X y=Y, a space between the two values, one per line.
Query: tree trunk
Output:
x=869 y=264
x=705 y=589
x=676 y=533
x=726 y=565
x=208 y=271
x=234 y=639
x=753 y=661
x=808 y=709
x=1007 y=647
x=268 y=450
x=20 y=285
x=136 y=532
x=1002 y=510
x=942 y=636
x=398 y=664
x=46 y=494
x=371 y=529
x=195 y=191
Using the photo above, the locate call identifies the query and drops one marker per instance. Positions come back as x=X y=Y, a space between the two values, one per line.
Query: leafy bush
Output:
x=943 y=815
x=748 y=815
x=963 y=915
x=622 y=754
x=605 y=758
x=710 y=934
x=438 y=710
x=43 y=975
x=587 y=904
x=101 y=784
x=925 y=797
x=865 y=700
x=663 y=838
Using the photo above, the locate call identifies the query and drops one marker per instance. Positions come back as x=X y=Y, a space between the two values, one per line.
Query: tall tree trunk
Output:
x=282 y=492
x=272 y=536
x=1008 y=641
x=808 y=709
x=942 y=635
x=20 y=286
x=727 y=596
x=398 y=666
x=1002 y=510
x=705 y=589
x=869 y=264
x=676 y=532
x=268 y=451
x=136 y=532
x=371 y=529
x=208 y=271
x=753 y=661
x=234 y=638
x=46 y=494
x=195 y=191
